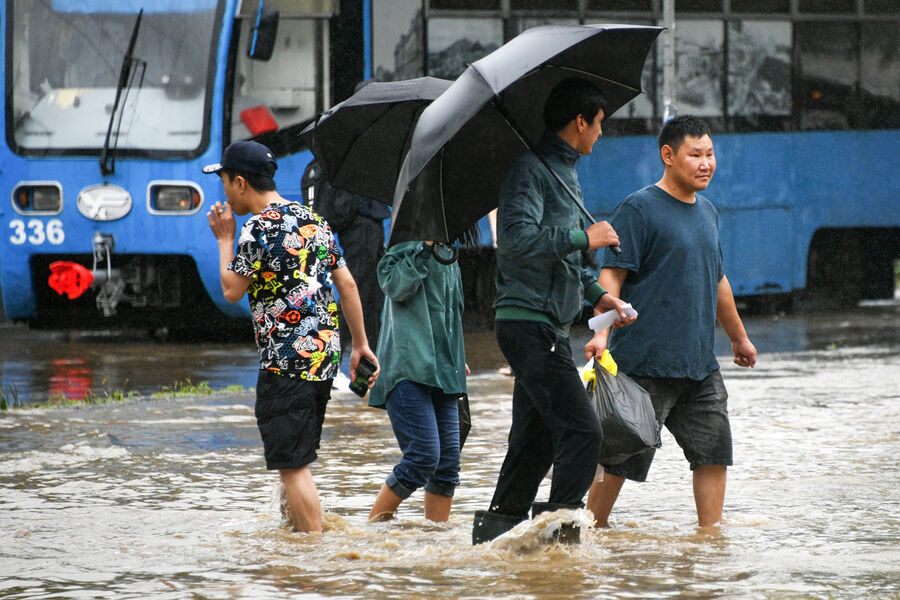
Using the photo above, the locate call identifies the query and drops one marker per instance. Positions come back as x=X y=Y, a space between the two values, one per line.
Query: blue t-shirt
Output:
x=673 y=257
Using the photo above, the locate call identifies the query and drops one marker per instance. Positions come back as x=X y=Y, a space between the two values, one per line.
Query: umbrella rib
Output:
x=595 y=76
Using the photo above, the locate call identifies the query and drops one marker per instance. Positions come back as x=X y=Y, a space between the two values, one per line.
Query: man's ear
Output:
x=666 y=154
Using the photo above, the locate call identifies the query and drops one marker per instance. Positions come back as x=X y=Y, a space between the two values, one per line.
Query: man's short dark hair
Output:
x=260 y=183
x=676 y=129
x=570 y=98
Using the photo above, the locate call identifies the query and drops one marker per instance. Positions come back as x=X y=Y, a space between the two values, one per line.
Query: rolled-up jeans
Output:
x=553 y=422
x=425 y=421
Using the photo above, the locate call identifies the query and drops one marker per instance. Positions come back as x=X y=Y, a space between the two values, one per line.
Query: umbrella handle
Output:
x=454 y=253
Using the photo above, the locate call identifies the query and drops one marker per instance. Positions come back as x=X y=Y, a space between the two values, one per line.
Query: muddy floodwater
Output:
x=168 y=497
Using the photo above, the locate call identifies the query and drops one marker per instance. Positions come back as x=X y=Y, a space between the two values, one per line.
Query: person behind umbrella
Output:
x=288 y=264
x=672 y=251
x=423 y=374
x=359 y=224
x=541 y=287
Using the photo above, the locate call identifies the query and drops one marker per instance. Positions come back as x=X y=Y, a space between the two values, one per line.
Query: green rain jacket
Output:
x=540 y=235
x=421 y=330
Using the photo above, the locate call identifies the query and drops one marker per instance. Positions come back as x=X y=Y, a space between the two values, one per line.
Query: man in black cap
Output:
x=288 y=263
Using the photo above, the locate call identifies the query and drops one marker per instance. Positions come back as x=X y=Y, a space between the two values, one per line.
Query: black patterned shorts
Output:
x=290 y=412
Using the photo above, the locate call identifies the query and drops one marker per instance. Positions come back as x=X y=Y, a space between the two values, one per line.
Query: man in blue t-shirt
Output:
x=670 y=270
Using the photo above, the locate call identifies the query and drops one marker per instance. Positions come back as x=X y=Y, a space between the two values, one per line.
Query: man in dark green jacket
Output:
x=541 y=288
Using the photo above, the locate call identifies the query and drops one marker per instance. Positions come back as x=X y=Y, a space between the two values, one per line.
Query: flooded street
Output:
x=168 y=497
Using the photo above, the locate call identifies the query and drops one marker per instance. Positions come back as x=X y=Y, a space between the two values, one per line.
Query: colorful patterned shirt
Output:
x=289 y=252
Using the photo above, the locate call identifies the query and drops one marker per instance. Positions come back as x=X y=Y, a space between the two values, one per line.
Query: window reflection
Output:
x=398 y=40
x=517 y=25
x=453 y=44
x=760 y=6
x=569 y=5
x=759 y=73
x=827 y=6
x=827 y=74
x=699 y=66
x=879 y=76
x=465 y=4
x=783 y=70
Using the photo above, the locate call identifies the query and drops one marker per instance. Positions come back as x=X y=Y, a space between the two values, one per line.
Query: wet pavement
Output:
x=168 y=497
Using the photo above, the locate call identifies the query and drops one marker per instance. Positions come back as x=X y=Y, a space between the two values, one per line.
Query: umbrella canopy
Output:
x=464 y=141
x=360 y=143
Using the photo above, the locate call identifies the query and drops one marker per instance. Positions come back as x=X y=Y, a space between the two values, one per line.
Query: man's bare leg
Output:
x=602 y=496
x=709 y=493
x=302 y=499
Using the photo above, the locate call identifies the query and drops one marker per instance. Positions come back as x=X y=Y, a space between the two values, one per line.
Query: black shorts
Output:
x=289 y=413
x=696 y=413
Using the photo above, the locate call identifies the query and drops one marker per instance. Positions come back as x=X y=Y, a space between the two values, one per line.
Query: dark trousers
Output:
x=553 y=422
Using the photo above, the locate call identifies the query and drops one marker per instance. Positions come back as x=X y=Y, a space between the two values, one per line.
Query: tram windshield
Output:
x=65 y=62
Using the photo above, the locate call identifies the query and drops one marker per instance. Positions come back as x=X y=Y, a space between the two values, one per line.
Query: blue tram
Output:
x=112 y=106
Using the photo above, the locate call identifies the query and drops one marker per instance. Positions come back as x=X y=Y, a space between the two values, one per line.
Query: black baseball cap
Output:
x=246 y=157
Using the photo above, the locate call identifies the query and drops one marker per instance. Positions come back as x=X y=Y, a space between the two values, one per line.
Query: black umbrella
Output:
x=360 y=143
x=464 y=141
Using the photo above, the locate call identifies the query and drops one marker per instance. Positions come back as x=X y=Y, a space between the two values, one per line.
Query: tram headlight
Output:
x=37 y=197
x=174 y=197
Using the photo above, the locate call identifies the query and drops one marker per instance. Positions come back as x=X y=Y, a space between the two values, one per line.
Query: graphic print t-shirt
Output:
x=289 y=252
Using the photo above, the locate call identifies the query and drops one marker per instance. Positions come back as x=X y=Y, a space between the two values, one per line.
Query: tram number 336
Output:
x=37 y=232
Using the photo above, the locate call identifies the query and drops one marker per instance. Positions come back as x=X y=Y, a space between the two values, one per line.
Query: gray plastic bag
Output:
x=626 y=414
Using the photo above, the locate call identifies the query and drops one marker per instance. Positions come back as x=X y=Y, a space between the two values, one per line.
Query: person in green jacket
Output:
x=423 y=373
x=541 y=289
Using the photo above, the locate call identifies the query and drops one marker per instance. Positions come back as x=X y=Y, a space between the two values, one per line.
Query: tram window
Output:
x=825 y=88
x=453 y=44
x=274 y=96
x=760 y=6
x=827 y=6
x=643 y=6
x=398 y=39
x=465 y=4
x=759 y=75
x=699 y=63
x=882 y=7
x=516 y=25
x=698 y=5
x=638 y=117
x=879 y=78
x=555 y=5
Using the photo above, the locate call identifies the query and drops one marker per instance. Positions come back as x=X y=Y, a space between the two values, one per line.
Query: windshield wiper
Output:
x=108 y=155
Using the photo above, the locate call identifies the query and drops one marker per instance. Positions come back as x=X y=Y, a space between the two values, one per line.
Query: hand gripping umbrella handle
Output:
x=574 y=198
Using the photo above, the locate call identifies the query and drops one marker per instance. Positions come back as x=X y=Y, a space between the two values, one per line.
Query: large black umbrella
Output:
x=464 y=141
x=360 y=143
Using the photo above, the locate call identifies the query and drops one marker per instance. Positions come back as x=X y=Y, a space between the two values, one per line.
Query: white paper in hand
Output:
x=604 y=320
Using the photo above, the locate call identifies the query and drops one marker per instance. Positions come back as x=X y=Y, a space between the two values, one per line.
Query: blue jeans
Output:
x=425 y=421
